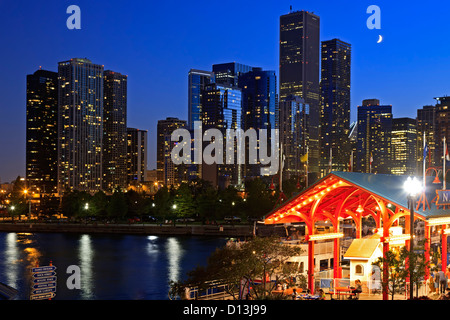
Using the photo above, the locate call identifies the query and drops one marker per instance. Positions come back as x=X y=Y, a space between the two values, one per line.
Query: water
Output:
x=113 y=267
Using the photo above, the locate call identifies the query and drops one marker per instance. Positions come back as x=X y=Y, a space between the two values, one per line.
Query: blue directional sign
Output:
x=44 y=279
x=44 y=274
x=44 y=285
x=43 y=269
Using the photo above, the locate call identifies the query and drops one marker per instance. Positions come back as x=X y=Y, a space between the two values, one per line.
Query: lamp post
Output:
x=413 y=187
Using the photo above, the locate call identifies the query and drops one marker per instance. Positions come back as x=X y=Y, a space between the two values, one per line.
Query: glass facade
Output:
x=259 y=107
x=300 y=70
x=403 y=146
x=196 y=84
x=115 y=130
x=80 y=125
x=335 y=105
x=374 y=137
x=42 y=134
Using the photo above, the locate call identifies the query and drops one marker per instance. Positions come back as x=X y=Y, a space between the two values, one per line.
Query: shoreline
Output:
x=138 y=229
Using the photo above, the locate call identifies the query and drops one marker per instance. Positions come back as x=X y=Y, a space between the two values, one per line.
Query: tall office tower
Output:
x=442 y=129
x=259 y=108
x=136 y=155
x=42 y=133
x=196 y=83
x=404 y=146
x=335 y=106
x=222 y=108
x=228 y=73
x=293 y=125
x=167 y=172
x=115 y=130
x=373 y=146
x=300 y=70
x=80 y=125
x=426 y=124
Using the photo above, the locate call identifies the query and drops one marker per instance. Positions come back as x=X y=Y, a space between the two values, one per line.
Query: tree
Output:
x=117 y=207
x=260 y=200
x=184 y=201
x=393 y=265
x=244 y=264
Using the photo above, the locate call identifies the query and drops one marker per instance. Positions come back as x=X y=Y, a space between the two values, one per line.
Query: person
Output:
x=442 y=281
x=436 y=281
x=294 y=294
x=357 y=289
x=321 y=294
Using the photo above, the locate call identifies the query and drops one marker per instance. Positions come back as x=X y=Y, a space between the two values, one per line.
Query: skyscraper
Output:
x=136 y=155
x=335 y=105
x=228 y=73
x=404 y=146
x=42 y=134
x=426 y=124
x=259 y=106
x=167 y=172
x=299 y=70
x=222 y=110
x=293 y=125
x=80 y=125
x=196 y=83
x=115 y=130
x=442 y=128
x=373 y=144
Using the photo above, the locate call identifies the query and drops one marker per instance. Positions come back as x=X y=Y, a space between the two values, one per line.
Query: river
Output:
x=112 y=267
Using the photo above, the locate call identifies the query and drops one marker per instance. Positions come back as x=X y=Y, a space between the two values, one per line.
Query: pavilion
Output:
x=351 y=195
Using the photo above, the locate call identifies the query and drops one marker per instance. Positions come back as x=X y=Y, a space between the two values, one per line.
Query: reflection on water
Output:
x=85 y=257
x=111 y=266
x=174 y=254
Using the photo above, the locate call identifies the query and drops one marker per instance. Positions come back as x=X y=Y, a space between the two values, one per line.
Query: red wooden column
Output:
x=444 y=249
x=427 y=248
x=311 y=266
x=336 y=252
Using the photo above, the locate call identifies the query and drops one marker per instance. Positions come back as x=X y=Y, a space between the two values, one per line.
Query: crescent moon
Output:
x=380 y=38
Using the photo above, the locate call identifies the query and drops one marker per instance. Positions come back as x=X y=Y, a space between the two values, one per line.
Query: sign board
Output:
x=48 y=295
x=44 y=283
x=443 y=197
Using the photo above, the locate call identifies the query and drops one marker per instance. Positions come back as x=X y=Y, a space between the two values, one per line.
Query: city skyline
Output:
x=146 y=106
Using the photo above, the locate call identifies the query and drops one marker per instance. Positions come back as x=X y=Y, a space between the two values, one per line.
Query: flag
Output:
x=371 y=158
x=447 y=156
x=425 y=151
x=304 y=157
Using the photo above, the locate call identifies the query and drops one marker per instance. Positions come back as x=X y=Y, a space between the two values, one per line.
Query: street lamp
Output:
x=412 y=187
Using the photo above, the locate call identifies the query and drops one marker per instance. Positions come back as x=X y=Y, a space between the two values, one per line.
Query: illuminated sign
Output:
x=443 y=197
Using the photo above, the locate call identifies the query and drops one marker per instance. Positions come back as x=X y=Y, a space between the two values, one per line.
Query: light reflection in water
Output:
x=12 y=257
x=174 y=254
x=86 y=255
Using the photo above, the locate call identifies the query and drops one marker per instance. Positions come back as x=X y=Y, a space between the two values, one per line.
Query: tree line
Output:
x=197 y=199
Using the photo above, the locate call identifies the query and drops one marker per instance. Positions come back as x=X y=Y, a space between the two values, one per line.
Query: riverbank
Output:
x=143 y=229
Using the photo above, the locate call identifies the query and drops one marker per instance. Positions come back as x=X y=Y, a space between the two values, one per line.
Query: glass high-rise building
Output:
x=167 y=172
x=136 y=155
x=293 y=125
x=115 y=130
x=442 y=128
x=80 y=125
x=426 y=124
x=259 y=107
x=373 y=145
x=335 y=106
x=41 y=132
x=404 y=146
x=196 y=83
x=222 y=109
x=300 y=70
x=228 y=73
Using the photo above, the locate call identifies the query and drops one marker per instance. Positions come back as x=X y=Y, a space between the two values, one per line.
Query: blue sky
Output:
x=156 y=43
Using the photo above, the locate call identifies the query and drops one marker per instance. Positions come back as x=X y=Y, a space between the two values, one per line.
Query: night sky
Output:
x=156 y=43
